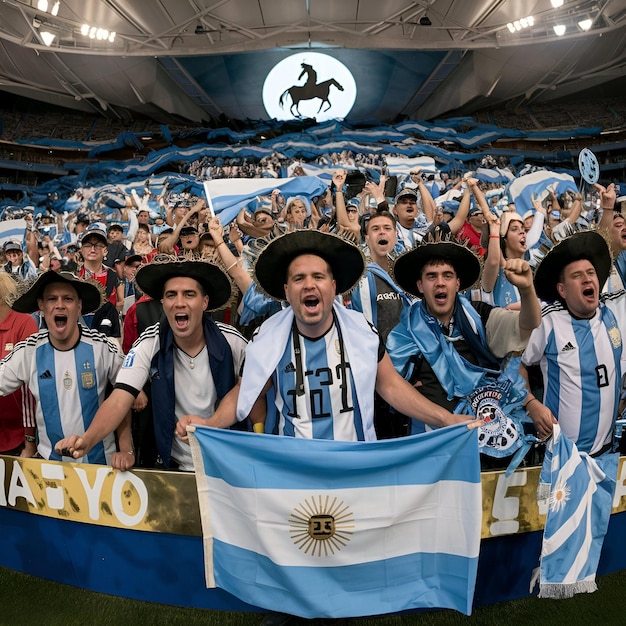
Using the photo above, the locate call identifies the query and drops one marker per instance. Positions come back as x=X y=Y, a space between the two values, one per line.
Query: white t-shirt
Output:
x=193 y=376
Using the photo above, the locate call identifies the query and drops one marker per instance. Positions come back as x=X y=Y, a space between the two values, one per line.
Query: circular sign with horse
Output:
x=309 y=85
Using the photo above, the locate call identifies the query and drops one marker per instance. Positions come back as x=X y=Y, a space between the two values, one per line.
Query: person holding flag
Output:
x=579 y=347
x=323 y=361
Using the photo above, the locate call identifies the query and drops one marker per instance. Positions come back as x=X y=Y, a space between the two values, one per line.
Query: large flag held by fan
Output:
x=320 y=528
x=581 y=492
x=228 y=196
x=522 y=189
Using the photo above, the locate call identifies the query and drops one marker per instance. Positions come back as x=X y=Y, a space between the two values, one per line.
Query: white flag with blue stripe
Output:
x=229 y=195
x=579 y=508
x=521 y=190
x=13 y=229
x=321 y=528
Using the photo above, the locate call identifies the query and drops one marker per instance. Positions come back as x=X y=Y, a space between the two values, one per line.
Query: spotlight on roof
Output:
x=556 y=4
x=47 y=37
x=425 y=21
x=585 y=24
x=560 y=29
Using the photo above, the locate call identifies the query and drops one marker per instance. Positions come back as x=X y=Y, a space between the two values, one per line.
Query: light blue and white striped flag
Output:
x=536 y=184
x=320 y=528
x=12 y=229
x=579 y=508
x=229 y=195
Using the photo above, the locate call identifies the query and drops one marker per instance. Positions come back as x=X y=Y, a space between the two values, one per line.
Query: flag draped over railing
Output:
x=321 y=528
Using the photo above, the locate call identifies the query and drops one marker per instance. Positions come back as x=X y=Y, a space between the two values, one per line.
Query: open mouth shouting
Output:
x=60 y=322
x=181 y=320
x=440 y=297
x=311 y=303
x=589 y=293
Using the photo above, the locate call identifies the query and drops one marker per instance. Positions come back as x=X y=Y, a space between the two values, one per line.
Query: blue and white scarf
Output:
x=419 y=333
x=263 y=354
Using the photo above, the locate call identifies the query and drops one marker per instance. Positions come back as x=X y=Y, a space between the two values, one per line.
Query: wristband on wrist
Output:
x=30 y=438
x=528 y=402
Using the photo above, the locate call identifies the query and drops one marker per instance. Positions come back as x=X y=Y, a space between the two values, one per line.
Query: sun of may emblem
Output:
x=559 y=496
x=320 y=526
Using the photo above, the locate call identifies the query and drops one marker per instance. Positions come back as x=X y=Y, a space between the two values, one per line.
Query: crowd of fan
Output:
x=185 y=228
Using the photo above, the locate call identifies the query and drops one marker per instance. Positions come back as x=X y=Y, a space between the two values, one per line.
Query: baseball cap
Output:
x=115 y=226
x=407 y=192
x=12 y=244
x=97 y=229
x=121 y=258
x=82 y=218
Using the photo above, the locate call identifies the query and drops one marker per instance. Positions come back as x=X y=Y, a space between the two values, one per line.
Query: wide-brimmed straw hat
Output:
x=346 y=260
x=408 y=266
x=88 y=292
x=152 y=277
x=586 y=244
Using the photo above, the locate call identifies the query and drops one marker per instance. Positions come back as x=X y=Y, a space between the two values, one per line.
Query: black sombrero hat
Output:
x=345 y=259
x=586 y=244
x=88 y=292
x=408 y=266
x=152 y=277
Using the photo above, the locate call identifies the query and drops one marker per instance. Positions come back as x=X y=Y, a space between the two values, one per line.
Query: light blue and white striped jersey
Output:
x=580 y=364
x=328 y=408
x=69 y=386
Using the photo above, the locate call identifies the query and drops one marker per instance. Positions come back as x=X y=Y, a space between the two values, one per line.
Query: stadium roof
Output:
x=190 y=60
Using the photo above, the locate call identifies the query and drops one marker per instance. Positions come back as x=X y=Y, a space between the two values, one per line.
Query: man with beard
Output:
x=323 y=361
x=67 y=368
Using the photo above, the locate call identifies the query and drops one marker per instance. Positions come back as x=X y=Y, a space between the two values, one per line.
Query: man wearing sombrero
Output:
x=579 y=343
x=579 y=347
x=453 y=348
x=67 y=367
x=323 y=361
x=192 y=361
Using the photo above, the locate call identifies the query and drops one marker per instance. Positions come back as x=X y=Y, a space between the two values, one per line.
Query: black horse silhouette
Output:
x=309 y=92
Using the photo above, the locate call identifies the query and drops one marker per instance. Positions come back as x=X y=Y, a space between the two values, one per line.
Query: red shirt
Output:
x=470 y=234
x=107 y=278
x=18 y=408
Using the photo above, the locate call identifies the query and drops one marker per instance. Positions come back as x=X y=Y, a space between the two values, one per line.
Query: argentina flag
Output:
x=581 y=492
x=320 y=528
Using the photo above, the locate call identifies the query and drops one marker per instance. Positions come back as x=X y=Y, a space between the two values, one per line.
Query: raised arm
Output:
x=607 y=203
x=230 y=261
x=493 y=257
x=520 y=275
